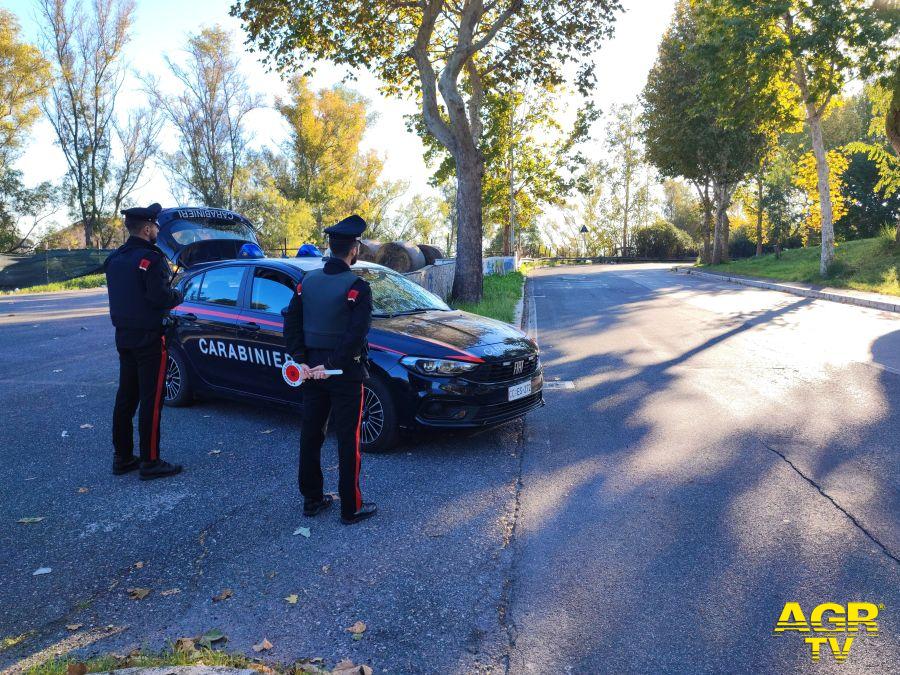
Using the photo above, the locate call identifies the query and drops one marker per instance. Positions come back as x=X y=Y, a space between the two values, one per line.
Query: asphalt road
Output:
x=722 y=450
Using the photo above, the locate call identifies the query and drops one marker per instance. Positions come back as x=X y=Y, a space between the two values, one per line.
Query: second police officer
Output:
x=325 y=328
x=138 y=281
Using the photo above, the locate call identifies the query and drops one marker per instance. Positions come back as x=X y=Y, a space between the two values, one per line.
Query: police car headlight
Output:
x=437 y=366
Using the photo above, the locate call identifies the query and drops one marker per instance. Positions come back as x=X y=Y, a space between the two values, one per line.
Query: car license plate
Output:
x=519 y=390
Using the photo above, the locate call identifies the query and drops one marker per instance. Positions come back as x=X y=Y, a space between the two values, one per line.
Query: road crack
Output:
x=504 y=616
x=834 y=502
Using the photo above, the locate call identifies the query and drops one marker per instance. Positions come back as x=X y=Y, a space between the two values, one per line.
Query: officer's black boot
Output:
x=315 y=508
x=124 y=464
x=367 y=511
x=158 y=469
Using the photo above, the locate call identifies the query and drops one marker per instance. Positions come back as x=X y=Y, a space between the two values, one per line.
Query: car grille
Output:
x=506 y=410
x=500 y=371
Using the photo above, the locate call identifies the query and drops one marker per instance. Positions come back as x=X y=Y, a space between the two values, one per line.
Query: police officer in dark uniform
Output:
x=138 y=280
x=325 y=328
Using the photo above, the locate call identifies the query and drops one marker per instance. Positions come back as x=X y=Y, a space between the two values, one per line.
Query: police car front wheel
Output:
x=177 y=386
x=379 y=429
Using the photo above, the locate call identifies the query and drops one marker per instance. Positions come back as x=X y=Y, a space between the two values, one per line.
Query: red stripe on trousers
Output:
x=157 y=402
x=362 y=398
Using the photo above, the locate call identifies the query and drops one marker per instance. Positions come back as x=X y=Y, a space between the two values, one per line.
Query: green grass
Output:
x=89 y=281
x=863 y=265
x=499 y=299
x=170 y=657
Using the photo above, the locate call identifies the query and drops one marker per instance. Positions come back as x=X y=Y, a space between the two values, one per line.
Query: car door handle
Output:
x=251 y=326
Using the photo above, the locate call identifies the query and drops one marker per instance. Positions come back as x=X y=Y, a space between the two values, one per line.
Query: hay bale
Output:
x=431 y=253
x=368 y=249
x=400 y=256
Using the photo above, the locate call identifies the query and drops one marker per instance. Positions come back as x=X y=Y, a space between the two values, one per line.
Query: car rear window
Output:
x=222 y=286
x=272 y=291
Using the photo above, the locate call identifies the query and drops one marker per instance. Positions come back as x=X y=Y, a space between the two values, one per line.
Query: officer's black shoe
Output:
x=125 y=464
x=158 y=469
x=315 y=508
x=367 y=511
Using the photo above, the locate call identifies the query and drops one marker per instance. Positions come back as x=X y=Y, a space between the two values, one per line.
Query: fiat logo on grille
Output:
x=518 y=366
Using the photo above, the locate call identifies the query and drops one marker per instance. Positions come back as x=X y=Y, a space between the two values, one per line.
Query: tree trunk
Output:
x=468 y=277
x=759 y=214
x=823 y=176
x=509 y=229
x=892 y=125
x=722 y=198
x=625 y=218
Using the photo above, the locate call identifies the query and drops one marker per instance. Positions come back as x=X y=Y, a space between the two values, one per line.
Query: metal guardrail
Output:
x=610 y=260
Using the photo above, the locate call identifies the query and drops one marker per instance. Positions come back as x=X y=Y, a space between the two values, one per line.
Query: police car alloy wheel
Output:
x=378 y=431
x=177 y=385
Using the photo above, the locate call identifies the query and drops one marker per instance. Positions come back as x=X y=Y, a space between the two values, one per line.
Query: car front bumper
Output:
x=442 y=402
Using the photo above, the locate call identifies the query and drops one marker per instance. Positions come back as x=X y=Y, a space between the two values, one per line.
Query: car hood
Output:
x=453 y=333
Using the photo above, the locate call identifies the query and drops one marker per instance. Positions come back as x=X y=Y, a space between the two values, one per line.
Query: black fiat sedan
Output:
x=430 y=366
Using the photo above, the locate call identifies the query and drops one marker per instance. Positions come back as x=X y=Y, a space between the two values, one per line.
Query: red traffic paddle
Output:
x=290 y=371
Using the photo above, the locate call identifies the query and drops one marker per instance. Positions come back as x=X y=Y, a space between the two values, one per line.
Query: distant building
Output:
x=72 y=237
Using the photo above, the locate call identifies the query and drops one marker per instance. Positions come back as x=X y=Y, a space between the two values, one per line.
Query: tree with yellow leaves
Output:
x=322 y=163
x=806 y=178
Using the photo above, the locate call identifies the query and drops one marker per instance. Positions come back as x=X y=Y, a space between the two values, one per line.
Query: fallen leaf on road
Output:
x=292 y=599
x=263 y=646
x=347 y=667
x=76 y=669
x=30 y=520
x=326 y=568
x=138 y=593
x=171 y=591
x=357 y=628
x=58 y=370
x=73 y=626
x=271 y=575
x=83 y=490
x=185 y=645
x=65 y=434
x=86 y=426
x=209 y=637
x=302 y=530
x=81 y=396
x=42 y=570
x=224 y=595
x=267 y=431
x=139 y=565
x=214 y=452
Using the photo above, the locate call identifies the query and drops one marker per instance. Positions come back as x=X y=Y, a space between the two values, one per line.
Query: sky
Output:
x=160 y=30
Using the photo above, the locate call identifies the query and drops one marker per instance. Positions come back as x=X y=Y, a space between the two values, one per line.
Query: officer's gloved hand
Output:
x=318 y=373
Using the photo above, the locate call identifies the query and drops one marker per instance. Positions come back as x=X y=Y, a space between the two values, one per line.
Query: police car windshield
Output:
x=186 y=232
x=393 y=294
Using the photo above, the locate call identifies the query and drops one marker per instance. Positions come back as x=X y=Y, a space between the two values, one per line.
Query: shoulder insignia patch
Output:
x=299 y=288
x=352 y=295
x=144 y=264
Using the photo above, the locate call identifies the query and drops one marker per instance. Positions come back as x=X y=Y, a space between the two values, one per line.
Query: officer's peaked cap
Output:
x=142 y=213
x=350 y=227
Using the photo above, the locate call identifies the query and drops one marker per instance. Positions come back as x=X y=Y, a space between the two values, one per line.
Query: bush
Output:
x=740 y=245
x=838 y=269
x=662 y=240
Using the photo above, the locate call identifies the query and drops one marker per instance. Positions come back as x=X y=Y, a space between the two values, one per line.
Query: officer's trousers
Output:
x=142 y=376
x=320 y=398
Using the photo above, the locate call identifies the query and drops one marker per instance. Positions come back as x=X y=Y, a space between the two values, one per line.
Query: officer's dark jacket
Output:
x=349 y=350
x=138 y=280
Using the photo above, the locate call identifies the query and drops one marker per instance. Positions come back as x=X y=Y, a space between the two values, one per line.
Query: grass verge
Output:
x=499 y=298
x=89 y=281
x=174 y=657
x=863 y=265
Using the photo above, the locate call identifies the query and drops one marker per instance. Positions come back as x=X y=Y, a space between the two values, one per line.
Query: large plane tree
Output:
x=446 y=54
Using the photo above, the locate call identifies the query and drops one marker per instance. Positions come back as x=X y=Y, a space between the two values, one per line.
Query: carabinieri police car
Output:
x=430 y=366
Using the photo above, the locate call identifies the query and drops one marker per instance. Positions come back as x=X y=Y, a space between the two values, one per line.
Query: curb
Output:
x=794 y=290
x=518 y=315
